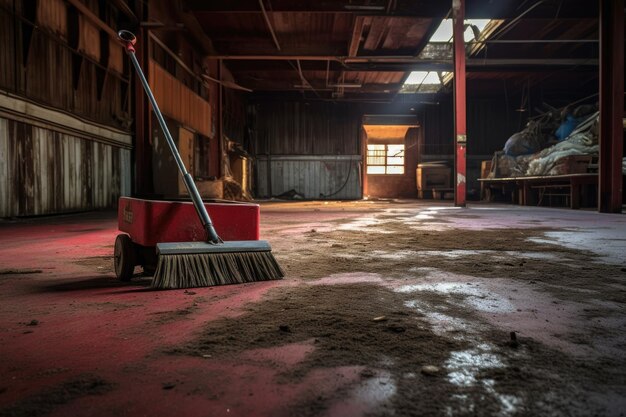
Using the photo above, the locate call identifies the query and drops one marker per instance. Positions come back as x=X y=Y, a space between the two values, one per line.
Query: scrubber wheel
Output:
x=124 y=257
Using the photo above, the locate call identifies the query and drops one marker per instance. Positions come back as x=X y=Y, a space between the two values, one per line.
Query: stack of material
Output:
x=236 y=176
x=582 y=141
x=533 y=152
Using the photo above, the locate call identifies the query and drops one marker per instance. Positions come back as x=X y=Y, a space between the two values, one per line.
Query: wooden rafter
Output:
x=355 y=40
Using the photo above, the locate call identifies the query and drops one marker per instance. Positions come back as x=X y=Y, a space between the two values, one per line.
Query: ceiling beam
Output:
x=93 y=18
x=355 y=40
x=123 y=7
x=411 y=60
x=269 y=24
x=382 y=8
x=485 y=9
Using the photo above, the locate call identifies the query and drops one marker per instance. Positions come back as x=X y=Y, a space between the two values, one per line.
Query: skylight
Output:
x=422 y=77
x=439 y=47
x=444 y=31
x=422 y=81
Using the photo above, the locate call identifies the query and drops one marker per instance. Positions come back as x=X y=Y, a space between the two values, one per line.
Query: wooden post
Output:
x=143 y=115
x=611 y=106
x=460 y=138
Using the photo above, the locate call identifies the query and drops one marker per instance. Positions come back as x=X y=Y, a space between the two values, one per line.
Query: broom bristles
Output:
x=208 y=269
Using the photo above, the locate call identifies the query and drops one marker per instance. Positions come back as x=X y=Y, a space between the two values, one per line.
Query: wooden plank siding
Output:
x=50 y=172
x=49 y=71
x=8 y=56
x=64 y=112
x=312 y=148
x=52 y=15
x=489 y=124
x=89 y=38
x=50 y=83
x=178 y=101
x=299 y=128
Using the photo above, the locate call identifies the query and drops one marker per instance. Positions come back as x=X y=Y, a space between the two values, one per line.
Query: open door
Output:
x=390 y=160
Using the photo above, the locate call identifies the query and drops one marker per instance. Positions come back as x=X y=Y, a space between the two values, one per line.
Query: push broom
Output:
x=213 y=262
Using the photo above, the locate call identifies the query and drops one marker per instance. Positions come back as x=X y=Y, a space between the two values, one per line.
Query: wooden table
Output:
x=530 y=191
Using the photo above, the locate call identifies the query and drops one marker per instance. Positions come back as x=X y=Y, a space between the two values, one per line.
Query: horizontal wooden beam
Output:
x=412 y=60
x=416 y=8
x=93 y=18
x=123 y=7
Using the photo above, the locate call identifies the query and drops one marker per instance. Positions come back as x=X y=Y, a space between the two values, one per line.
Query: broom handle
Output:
x=205 y=219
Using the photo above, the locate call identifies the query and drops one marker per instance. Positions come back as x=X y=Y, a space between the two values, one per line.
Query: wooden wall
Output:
x=312 y=148
x=41 y=60
x=489 y=124
x=283 y=131
x=178 y=101
x=44 y=171
x=302 y=128
x=65 y=141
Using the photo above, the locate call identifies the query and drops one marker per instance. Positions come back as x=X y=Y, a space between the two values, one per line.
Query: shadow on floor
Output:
x=95 y=283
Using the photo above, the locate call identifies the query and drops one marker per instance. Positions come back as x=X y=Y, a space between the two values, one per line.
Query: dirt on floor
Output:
x=401 y=311
x=486 y=371
x=49 y=399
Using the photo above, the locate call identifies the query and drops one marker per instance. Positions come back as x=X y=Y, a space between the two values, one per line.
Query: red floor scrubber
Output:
x=191 y=244
x=148 y=222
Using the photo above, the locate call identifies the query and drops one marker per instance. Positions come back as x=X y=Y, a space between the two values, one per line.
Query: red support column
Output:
x=611 y=105
x=460 y=100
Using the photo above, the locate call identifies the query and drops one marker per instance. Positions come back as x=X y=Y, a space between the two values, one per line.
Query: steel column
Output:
x=460 y=101
x=611 y=105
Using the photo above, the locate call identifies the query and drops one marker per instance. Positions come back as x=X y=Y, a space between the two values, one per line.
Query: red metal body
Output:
x=460 y=130
x=149 y=222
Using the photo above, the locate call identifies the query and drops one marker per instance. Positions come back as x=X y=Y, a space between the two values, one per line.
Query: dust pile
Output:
x=527 y=378
x=46 y=401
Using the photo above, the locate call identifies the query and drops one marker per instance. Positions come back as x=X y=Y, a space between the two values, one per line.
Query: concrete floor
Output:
x=374 y=292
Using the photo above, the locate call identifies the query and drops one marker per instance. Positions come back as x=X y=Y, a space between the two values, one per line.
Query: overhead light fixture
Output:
x=521 y=110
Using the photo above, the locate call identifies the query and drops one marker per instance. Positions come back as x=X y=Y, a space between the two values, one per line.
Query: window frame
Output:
x=386 y=157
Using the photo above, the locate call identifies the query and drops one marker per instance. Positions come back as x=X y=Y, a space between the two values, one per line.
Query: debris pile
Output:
x=547 y=144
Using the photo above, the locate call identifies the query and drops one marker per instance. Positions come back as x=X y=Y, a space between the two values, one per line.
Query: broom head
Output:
x=200 y=264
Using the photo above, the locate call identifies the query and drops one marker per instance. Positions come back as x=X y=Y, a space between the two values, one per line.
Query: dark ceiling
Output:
x=365 y=49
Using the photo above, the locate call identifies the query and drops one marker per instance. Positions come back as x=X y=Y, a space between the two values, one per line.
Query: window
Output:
x=385 y=159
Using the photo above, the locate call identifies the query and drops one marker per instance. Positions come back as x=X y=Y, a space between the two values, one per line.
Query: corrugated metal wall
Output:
x=314 y=177
x=311 y=148
x=44 y=171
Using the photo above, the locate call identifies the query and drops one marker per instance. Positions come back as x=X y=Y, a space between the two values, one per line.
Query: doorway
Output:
x=389 y=160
